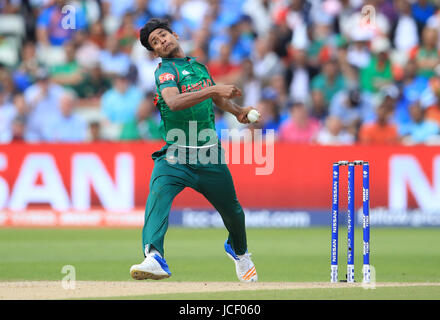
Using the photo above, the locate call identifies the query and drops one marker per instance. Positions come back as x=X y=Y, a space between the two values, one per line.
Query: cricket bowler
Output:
x=185 y=96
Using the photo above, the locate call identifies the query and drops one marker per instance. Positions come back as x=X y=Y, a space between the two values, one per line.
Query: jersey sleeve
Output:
x=165 y=77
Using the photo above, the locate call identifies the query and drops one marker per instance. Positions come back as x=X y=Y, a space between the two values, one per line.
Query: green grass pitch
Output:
x=280 y=255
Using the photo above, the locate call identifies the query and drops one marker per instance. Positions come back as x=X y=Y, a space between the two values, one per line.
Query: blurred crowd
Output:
x=325 y=72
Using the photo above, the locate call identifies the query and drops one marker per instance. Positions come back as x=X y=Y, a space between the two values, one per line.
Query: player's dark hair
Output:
x=149 y=27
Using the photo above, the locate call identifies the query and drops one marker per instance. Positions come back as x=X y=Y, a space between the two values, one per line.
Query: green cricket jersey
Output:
x=187 y=75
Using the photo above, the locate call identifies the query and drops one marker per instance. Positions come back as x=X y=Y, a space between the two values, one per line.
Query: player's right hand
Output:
x=227 y=91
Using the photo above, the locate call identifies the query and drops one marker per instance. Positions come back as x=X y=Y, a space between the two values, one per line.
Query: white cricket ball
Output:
x=253 y=115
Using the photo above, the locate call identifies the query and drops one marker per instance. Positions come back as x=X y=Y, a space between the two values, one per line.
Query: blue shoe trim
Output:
x=229 y=250
x=163 y=263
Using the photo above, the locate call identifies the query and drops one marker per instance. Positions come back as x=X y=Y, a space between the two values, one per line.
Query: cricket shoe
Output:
x=153 y=267
x=244 y=266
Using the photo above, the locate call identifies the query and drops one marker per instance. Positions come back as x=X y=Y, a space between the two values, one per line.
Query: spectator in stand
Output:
x=431 y=94
x=200 y=43
x=349 y=65
x=188 y=15
x=10 y=7
x=250 y=85
x=97 y=34
x=7 y=115
x=21 y=108
x=279 y=39
x=184 y=24
x=378 y=73
x=343 y=13
x=388 y=8
x=404 y=30
x=434 y=21
x=113 y=60
x=87 y=52
x=422 y=10
x=54 y=28
x=297 y=18
x=94 y=133
x=13 y=118
x=66 y=126
x=352 y=107
x=430 y=99
x=333 y=133
x=68 y=74
x=411 y=86
x=358 y=52
x=380 y=131
x=426 y=54
x=266 y=61
x=319 y=107
x=222 y=69
x=43 y=99
x=141 y=13
x=260 y=13
x=388 y=96
x=247 y=30
x=18 y=131
x=93 y=85
x=26 y=71
x=19 y=103
x=278 y=84
x=242 y=43
x=298 y=76
x=120 y=103
x=126 y=34
x=117 y=8
x=329 y=81
x=7 y=82
x=146 y=125
x=433 y=113
x=300 y=127
x=159 y=9
x=419 y=130
x=319 y=48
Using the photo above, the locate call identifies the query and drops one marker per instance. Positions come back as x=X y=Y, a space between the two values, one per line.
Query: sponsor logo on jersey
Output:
x=166 y=77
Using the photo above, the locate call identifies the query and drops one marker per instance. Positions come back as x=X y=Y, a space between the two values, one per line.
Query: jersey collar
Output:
x=187 y=58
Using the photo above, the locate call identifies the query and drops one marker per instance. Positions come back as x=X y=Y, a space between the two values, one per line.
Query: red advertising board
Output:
x=115 y=176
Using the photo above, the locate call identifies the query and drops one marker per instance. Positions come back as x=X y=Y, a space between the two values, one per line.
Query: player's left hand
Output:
x=242 y=116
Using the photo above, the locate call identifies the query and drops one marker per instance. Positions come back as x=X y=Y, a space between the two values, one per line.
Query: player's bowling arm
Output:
x=179 y=101
x=227 y=105
x=231 y=107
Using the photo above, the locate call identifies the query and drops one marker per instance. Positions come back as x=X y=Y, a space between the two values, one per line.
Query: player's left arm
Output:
x=231 y=107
